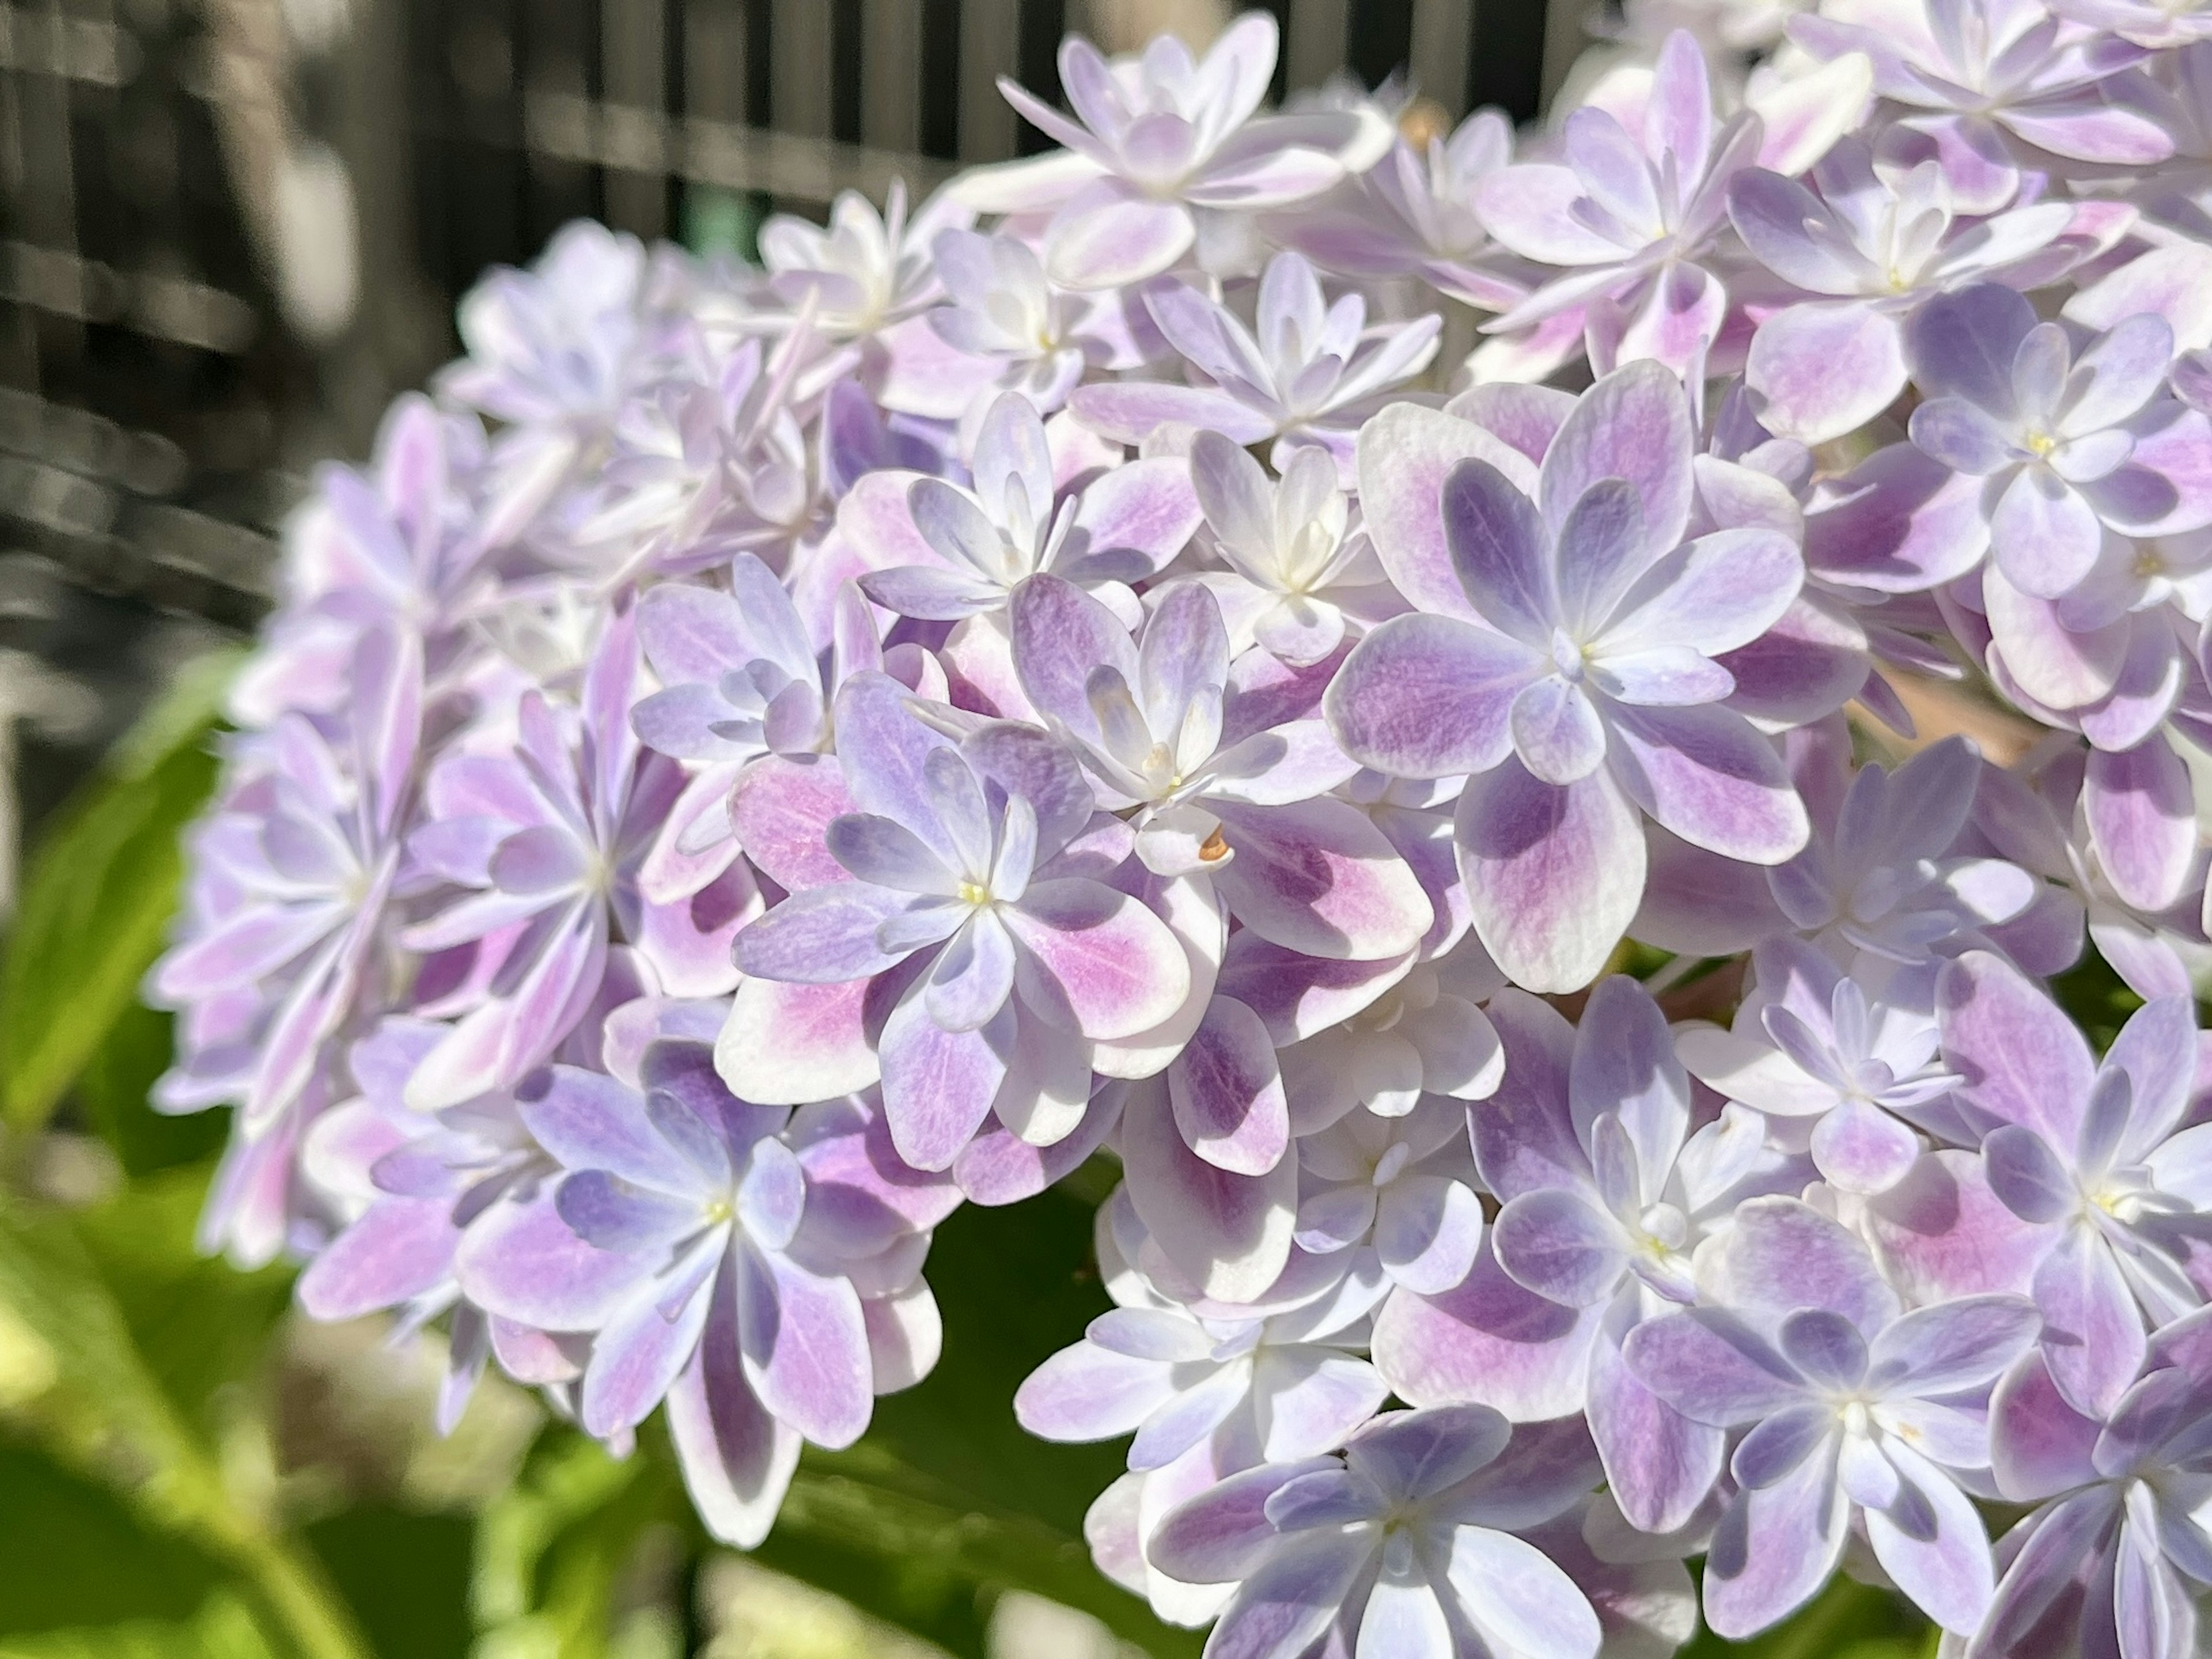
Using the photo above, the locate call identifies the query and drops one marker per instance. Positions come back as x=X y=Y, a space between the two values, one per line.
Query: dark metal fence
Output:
x=231 y=229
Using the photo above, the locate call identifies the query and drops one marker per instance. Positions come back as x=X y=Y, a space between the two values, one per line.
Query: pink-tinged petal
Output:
x=823 y=936
x=1129 y=411
x=1099 y=955
x=1227 y=1091
x=1088 y=1392
x=1427 y=1229
x=636 y=1355
x=1299 y=995
x=1708 y=776
x=2053 y=663
x=789 y=1045
x=1681 y=318
x=400 y=1248
x=2021 y=1061
x=1318 y=877
x=1519 y=1599
x=1940 y=1233
x=1555 y=1243
x=1404 y=454
x=1860 y=1148
x=690 y=941
x=780 y=812
x=1783 y=1255
x=939 y=1086
x=1106 y=235
x=1486 y=1341
x=1633 y=424
x=1531 y=209
x=2039 y=1445
x=875 y=522
x=1428 y=696
x=2093 y=1334
x=521 y=1261
x=1659 y=1464
x=1553 y=873
x=1948 y=1576
x=1775 y=1548
x=1231 y=1233
x=2172 y=281
x=1144 y=507
x=738 y=1459
x=2142 y=815
x=806 y=1347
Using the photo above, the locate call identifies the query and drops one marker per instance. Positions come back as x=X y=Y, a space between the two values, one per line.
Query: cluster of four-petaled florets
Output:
x=773 y=755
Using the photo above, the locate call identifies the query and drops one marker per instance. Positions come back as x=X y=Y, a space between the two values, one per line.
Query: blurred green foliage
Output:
x=178 y=1481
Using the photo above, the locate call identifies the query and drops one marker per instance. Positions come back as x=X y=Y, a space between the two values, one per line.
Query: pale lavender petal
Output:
x=1227 y=1091
x=1554 y=874
x=1106 y=959
x=938 y=1085
x=2142 y=814
x=1231 y=1233
x=2020 y=1060
x=2093 y=1336
x=1319 y=878
x=1486 y=1341
x=1428 y=696
x=1560 y=1246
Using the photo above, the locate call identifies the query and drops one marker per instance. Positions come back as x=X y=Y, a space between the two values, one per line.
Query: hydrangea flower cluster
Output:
x=763 y=757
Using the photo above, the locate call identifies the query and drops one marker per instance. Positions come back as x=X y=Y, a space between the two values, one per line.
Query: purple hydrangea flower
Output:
x=1404 y=1543
x=1309 y=373
x=1570 y=669
x=2093 y=1151
x=1853 y=1407
x=2115 y=1555
x=2067 y=452
x=1880 y=238
x=292 y=881
x=1015 y=969
x=722 y=1256
x=1158 y=142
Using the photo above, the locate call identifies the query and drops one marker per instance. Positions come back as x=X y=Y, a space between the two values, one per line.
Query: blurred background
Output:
x=230 y=231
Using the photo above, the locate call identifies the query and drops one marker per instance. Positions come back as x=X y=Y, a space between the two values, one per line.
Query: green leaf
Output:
x=947 y=1500
x=223 y=1629
x=551 y=1553
x=76 y=1554
x=97 y=898
x=1847 y=1620
x=943 y=1506
x=71 y=1375
x=113 y=1091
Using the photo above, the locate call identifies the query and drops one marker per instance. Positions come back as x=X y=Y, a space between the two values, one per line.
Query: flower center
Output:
x=975 y=894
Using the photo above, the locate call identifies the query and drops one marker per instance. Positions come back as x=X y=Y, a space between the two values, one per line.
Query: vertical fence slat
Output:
x=1314 y=48
x=1443 y=30
x=633 y=45
x=799 y=62
x=890 y=73
x=990 y=47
